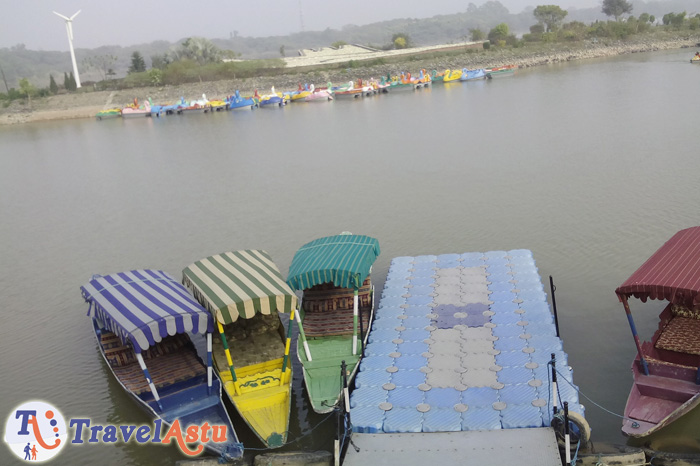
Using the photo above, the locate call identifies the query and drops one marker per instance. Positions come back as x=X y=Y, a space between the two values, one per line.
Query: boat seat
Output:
x=333 y=323
x=681 y=334
x=328 y=309
x=327 y=297
x=165 y=370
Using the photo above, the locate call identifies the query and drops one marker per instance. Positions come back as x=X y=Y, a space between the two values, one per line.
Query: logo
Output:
x=35 y=431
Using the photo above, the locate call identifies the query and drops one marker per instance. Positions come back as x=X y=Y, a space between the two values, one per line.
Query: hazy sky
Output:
x=129 y=22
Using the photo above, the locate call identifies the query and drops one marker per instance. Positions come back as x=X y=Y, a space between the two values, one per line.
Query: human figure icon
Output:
x=26 y=452
x=34 y=450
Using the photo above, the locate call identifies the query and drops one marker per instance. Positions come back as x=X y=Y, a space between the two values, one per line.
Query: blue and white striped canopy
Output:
x=145 y=306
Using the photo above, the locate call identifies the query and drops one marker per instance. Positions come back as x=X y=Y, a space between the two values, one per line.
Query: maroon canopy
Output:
x=672 y=273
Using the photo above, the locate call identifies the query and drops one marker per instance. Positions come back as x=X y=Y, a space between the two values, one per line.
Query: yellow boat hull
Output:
x=262 y=396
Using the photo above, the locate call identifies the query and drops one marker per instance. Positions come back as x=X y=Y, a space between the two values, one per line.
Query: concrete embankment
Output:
x=87 y=104
x=293 y=458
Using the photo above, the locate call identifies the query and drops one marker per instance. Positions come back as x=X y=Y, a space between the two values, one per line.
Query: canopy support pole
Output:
x=234 y=379
x=634 y=334
x=209 y=363
x=354 y=323
x=285 y=361
x=154 y=391
x=303 y=335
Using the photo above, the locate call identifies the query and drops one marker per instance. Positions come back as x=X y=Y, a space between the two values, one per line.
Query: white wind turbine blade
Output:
x=64 y=17
x=76 y=14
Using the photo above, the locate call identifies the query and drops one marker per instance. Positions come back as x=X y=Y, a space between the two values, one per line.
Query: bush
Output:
x=532 y=37
x=140 y=79
x=487 y=45
x=549 y=37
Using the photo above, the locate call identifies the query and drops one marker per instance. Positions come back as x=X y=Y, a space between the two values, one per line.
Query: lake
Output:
x=591 y=165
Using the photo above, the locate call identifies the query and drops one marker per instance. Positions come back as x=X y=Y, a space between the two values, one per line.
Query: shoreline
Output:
x=87 y=104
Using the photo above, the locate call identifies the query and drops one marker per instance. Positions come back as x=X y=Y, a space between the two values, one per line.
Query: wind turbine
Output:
x=69 y=29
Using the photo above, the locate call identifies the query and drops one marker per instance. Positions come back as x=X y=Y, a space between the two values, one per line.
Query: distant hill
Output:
x=17 y=62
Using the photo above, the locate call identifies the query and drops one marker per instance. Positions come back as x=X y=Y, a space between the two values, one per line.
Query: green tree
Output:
x=27 y=89
x=66 y=82
x=197 y=49
x=281 y=50
x=138 y=64
x=477 y=34
x=644 y=18
x=500 y=32
x=550 y=15
x=616 y=8
x=72 y=85
x=53 y=87
x=159 y=61
x=401 y=40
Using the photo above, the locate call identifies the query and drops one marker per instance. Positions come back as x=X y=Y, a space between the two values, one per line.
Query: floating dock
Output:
x=524 y=447
x=460 y=342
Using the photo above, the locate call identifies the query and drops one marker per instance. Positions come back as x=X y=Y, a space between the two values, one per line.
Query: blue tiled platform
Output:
x=460 y=342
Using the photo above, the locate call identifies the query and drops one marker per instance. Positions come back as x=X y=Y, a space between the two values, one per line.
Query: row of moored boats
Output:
x=147 y=323
x=307 y=93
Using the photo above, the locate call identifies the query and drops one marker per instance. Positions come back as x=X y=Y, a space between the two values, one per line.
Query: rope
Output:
x=589 y=399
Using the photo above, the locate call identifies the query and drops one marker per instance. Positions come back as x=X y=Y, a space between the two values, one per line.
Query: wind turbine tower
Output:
x=69 y=29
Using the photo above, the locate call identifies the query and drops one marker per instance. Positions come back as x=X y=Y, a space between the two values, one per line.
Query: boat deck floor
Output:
x=652 y=409
x=524 y=447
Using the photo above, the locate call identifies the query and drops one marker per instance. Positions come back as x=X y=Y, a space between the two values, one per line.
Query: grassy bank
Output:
x=87 y=102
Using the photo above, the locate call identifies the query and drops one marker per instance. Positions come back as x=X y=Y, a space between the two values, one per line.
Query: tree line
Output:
x=199 y=59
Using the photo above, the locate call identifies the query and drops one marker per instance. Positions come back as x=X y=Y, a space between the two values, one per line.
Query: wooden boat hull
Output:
x=190 y=401
x=657 y=400
x=322 y=375
x=263 y=393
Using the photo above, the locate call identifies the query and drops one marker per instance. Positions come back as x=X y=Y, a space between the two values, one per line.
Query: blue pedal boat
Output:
x=142 y=320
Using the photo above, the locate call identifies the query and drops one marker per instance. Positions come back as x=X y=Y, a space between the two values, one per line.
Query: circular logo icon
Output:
x=35 y=431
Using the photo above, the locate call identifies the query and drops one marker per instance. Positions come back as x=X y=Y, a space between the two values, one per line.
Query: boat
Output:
x=380 y=87
x=446 y=76
x=218 y=105
x=142 y=320
x=300 y=94
x=194 y=106
x=336 y=313
x=245 y=292
x=136 y=111
x=272 y=99
x=109 y=113
x=696 y=58
x=500 y=71
x=400 y=83
x=320 y=95
x=354 y=90
x=237 y=101
x=666 y=369
x=423 y=80
x=472 y=75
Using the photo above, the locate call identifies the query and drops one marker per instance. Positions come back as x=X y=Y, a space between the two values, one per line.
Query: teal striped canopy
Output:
x=239 y=284
x=344 y=260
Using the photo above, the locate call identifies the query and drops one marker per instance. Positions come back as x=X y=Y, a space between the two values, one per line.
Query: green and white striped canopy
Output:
x=344 y=260
x=239 y=284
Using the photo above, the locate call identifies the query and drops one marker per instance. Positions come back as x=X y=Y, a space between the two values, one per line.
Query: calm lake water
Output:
x=591 y=165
